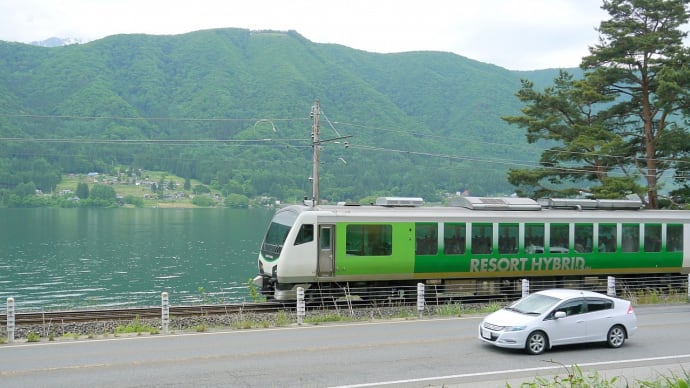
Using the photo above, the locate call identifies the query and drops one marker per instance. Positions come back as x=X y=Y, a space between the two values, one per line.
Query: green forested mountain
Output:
x=200 y=105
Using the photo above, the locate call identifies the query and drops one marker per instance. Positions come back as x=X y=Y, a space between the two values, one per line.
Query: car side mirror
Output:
x=559 y=314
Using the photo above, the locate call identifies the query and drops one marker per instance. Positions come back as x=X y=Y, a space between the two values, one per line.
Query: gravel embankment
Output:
x=100 y=329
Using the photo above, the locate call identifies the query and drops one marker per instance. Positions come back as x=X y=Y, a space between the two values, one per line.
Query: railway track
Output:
x=333 y=300
x=32 y=318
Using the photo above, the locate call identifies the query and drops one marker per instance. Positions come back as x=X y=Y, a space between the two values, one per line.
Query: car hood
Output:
x=505 y=317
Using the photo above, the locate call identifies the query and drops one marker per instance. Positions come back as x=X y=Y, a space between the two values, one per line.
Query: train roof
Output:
x=508 y=209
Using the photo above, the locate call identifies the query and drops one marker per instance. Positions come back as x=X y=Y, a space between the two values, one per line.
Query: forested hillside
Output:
x=231 y=108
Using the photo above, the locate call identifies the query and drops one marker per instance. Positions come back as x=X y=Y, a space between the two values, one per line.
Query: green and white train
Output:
x=399 y=242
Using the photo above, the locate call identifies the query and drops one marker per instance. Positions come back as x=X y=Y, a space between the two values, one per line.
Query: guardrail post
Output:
x=420 y=298
x=611 y=286
x=525 y=287
x=165 y=312
x=10 y=320
x=689 y=288
x=301 y=310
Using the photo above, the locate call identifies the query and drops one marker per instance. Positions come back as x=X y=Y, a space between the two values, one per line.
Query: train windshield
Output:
x=277 y=233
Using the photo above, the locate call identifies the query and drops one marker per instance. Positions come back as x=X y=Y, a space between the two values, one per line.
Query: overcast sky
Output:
x=514 y=34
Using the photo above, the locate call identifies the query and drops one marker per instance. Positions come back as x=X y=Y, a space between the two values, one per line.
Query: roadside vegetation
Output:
x=576 y=378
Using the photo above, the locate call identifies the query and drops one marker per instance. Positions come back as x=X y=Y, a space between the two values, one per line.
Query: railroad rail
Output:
x=33 y=318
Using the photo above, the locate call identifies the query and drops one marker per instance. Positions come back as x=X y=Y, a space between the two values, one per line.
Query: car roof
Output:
x=566 y=293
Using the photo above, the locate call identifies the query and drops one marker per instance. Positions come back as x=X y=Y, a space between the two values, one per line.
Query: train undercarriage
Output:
x=442 y=291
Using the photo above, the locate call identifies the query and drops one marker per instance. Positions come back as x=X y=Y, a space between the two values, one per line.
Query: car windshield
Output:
x=534 y=304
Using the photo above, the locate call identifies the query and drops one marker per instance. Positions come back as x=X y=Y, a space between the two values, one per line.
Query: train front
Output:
x=272 y=247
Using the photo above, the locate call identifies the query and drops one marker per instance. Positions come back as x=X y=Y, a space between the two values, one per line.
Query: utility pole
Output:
x=315 y=113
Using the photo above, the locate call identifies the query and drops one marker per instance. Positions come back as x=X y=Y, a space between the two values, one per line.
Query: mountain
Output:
x=200 y=105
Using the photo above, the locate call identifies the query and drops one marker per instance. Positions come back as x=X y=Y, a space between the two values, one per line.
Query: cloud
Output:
x=516 y=34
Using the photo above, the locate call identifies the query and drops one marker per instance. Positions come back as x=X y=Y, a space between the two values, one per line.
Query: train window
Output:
x=305 y=234
x=426 y=242
x=369 y=240
x=482 y=238
x=631 y=238
x=454 y=239
x=674 y=238
x=507 y=238
x=608 y=237
x=558 y=241
x=325 y=238
x=652 y=238
x=534 y=238
x=583 y=238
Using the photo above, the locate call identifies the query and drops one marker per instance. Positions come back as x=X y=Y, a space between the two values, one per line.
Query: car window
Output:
x=572 y=307
x=597 y=304
x=534 y=304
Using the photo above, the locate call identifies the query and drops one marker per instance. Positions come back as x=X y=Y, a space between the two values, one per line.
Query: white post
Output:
x=165 y=312
x=688 y=288
x=301 y=310
x=611 y=286
x=420 y=298
x=525 y=287
x=10 y=320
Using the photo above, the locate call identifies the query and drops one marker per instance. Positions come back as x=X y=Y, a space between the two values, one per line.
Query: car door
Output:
x=569 y=329
x=599 y=317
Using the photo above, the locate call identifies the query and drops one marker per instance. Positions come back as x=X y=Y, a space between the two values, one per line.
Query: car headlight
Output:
x=515 y=328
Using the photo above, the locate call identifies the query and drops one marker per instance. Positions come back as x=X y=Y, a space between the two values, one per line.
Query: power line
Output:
x=132 y=118
x=527 y=164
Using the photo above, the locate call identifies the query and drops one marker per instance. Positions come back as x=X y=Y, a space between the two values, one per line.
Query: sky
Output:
x=514 y=34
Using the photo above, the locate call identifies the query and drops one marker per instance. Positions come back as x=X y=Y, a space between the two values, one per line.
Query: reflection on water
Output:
x=88 y=258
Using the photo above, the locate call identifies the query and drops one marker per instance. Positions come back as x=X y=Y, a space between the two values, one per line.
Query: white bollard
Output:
x=165 y=312
x=688 y=288
x=10 y=320
x=525 y=287
x=301 y=309
x=420 y=298
x=611 y=286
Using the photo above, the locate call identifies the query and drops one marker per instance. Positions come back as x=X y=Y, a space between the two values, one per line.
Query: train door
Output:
x=326 y=250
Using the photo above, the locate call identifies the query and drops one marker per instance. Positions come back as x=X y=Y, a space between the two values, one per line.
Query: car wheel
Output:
x=537 y=343
x=616 y=337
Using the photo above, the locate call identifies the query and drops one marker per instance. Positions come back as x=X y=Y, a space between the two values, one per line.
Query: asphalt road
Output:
x=409 y=353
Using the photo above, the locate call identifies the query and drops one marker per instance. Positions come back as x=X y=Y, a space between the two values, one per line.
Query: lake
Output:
x=54 y=259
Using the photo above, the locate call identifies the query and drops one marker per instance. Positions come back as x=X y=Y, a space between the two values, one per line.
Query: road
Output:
x=409 y=353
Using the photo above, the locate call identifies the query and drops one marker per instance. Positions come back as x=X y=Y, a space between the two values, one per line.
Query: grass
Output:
x=202 y=328
x=73 y=336
x=327 y=317
x=33 y=337
x=282 y=319
x=136 y=326
x=574 y=377
x=657 y=296
x=458 y=309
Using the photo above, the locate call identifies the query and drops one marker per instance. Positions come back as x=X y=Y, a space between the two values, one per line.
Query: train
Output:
x=401 y=242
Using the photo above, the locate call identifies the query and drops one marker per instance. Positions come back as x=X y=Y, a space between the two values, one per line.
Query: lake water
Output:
x=94 y=258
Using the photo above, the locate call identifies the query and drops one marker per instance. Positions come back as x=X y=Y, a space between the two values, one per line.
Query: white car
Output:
x=555 y=317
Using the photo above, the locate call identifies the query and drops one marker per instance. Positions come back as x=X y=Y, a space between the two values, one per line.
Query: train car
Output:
x=401 y=242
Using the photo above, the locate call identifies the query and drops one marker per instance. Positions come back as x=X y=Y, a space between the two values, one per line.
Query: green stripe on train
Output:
x=403 y=260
